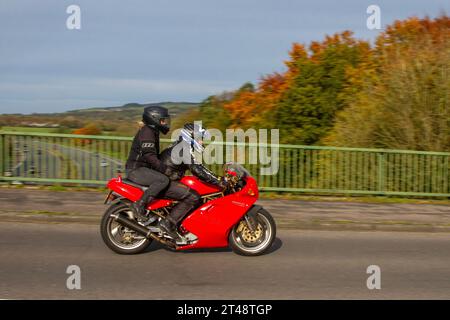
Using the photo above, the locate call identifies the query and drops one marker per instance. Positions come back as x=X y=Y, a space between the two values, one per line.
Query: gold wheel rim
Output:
x=247 y=235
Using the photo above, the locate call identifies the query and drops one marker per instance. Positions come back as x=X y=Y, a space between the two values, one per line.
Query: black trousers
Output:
x=159 y=184
x=188 y=200
x=154 y=180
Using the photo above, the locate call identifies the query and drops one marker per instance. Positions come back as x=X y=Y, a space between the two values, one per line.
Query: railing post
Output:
x=2 y=155
x=381 y=177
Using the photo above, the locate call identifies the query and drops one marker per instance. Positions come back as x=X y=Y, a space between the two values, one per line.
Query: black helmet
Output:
x=154 y=115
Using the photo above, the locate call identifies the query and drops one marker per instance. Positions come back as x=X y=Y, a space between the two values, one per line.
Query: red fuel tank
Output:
x=199 y=186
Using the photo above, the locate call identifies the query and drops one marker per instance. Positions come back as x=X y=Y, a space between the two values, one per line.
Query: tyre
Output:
x=118 y=238
x=246 y=243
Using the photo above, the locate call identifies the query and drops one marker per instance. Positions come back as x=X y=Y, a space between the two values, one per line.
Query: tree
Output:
x=213 y=114
x=303 y=100
x=89 y=129
x=406 y=106
x=307 y=109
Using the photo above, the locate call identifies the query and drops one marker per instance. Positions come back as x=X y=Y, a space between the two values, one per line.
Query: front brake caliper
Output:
x=240 y=226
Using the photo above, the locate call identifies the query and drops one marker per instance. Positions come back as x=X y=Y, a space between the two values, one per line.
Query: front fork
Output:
x=250 y=218
x=250 y=223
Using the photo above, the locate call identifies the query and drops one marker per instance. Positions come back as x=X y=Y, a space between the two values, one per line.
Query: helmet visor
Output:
x=164 y=124
x=165 y=121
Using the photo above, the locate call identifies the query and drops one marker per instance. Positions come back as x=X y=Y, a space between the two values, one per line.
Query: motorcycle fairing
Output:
x=212 y=221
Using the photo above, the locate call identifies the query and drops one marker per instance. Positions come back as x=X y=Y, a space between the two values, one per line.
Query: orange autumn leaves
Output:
x=257 y=106
x=402 y=102
x=336 y=91
x=89 y=129
x=249 y=106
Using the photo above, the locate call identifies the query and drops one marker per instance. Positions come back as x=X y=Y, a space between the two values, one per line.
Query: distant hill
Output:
x=118 y=120
x=174 y=107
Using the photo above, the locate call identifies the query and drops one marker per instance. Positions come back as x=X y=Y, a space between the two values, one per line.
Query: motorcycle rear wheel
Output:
x=117 y=237
x=247 y=243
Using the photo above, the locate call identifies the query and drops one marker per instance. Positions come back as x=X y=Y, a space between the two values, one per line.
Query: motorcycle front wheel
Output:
x=245 y=242
x=118 y=238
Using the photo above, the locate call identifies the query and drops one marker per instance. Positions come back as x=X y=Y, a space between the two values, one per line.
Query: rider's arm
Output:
x=204 y=174
x=149 y=150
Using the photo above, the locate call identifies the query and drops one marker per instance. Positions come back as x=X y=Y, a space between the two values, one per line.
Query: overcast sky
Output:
x=163 y=50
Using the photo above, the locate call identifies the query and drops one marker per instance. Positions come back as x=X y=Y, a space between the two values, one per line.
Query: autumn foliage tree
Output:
x=346 y=92
x=213 y=113
x=301 y=101
x=306 y=111
x=89 y=129
x=406 y=104
x=250 y=107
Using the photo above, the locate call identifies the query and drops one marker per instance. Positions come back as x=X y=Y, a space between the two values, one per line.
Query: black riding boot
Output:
x=170 y=227
x=139 y=207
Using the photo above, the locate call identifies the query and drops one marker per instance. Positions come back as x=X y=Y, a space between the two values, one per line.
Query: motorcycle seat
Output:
x=131 y=183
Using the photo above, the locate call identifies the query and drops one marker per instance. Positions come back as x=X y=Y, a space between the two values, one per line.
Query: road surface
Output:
x=302 y=265
x=26 y=204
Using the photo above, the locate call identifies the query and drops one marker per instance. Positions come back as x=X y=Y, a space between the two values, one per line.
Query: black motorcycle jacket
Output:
x=145 y=150
x=177 y=171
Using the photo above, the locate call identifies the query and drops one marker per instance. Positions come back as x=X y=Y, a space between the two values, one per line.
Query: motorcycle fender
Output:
x=254 y=209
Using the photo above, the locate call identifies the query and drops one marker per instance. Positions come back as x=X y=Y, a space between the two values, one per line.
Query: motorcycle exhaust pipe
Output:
x=133 y=225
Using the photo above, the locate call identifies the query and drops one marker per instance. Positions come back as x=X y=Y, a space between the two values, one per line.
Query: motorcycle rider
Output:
x=143 y=165
x=146 y=167
x=178 y=158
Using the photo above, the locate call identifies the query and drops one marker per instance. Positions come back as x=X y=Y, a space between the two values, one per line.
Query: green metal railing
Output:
x=92 y=160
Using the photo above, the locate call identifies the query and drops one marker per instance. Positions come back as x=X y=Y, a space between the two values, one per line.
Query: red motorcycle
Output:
x=225 y=218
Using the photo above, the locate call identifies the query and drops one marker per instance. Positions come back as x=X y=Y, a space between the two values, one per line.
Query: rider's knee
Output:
x=163 y=181
x=193 y=197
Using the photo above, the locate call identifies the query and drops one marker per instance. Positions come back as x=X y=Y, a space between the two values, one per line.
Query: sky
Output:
x=163 y=50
